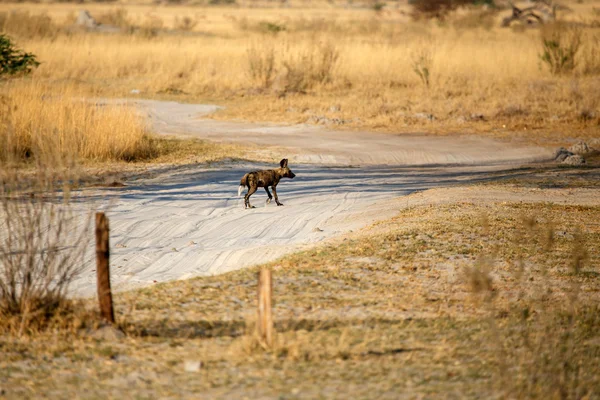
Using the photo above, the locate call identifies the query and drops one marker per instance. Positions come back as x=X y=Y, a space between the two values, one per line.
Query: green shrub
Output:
x=560 y=46
x=14 y=61
x=421 y=63
x=271 y=27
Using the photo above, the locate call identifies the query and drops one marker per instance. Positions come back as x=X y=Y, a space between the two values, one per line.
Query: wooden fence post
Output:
x=265 y=312
x=103 y=268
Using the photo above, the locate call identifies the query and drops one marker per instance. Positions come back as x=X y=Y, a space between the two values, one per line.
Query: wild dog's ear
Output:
x=283 y=163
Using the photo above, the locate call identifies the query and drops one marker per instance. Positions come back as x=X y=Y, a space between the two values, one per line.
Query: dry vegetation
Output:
x=356 y=67
x=460 y=300
x=52 y=122
x=45 y=125
x=43 y=238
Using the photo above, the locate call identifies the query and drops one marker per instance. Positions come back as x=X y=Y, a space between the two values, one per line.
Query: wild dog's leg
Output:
x=251 y=191
x=268 y=194
x=252 y=183
x=275 y=194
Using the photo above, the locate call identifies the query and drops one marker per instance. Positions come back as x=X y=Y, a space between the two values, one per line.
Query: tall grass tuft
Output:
x=116 y=17
x=310 y=67
x=590 y=56
x=539 y=345
x=561 y=44
x=296 y=68
x=261 y=63
x=39 y=123
x=422 y=60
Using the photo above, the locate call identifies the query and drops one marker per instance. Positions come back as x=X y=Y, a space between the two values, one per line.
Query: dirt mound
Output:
x=561 y=154
x=573 y=156
x=581 y=148
x=574 y=159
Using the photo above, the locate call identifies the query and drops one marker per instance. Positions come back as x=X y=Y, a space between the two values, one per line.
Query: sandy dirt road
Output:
x=189 y=222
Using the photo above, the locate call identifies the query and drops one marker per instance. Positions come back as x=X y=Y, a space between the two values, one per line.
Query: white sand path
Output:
x=189 y=221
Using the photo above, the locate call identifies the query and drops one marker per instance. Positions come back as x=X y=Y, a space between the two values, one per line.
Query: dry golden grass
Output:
x=46 y=122
x=54 y=125
x=354 y=65
x=376 y=315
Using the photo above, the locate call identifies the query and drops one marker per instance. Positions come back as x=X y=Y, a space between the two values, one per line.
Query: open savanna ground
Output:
x=428 y=247
x=349 y=67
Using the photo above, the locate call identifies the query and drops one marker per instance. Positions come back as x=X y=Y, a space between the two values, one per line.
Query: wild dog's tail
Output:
x=243 y=182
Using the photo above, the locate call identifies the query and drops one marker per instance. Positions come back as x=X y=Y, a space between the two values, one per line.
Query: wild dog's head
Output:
x=285 y=171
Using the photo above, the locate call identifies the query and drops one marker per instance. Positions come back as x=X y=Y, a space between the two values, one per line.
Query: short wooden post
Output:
x=103 y=268
x=265 y=312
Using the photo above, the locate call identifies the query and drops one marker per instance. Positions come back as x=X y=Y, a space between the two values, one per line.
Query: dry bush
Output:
x=185 y=24
x=544 y=356
x=590 y=56
x=435 y=8
x=55 y=123
x=309 y=67
x=324 y=61
x=117 y=17
x=262 y=26
x=243 y=24
x=270 y=27
x=42 y=244
x=261 y=63
x=22 y=24
x=151 y=27
x=540 y=348
x=561 y=44
x=422 y=60
x=298 y=68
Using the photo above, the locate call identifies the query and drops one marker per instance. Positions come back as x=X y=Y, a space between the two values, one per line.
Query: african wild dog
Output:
x=265 y=178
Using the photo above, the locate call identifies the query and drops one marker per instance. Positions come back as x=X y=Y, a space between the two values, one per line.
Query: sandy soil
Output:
x=189 y=222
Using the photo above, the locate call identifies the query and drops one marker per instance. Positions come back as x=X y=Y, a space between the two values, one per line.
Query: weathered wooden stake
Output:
x=103 y=268
x=265 y=312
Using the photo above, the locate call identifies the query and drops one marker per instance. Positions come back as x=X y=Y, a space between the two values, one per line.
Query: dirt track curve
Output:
x=189 y=221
